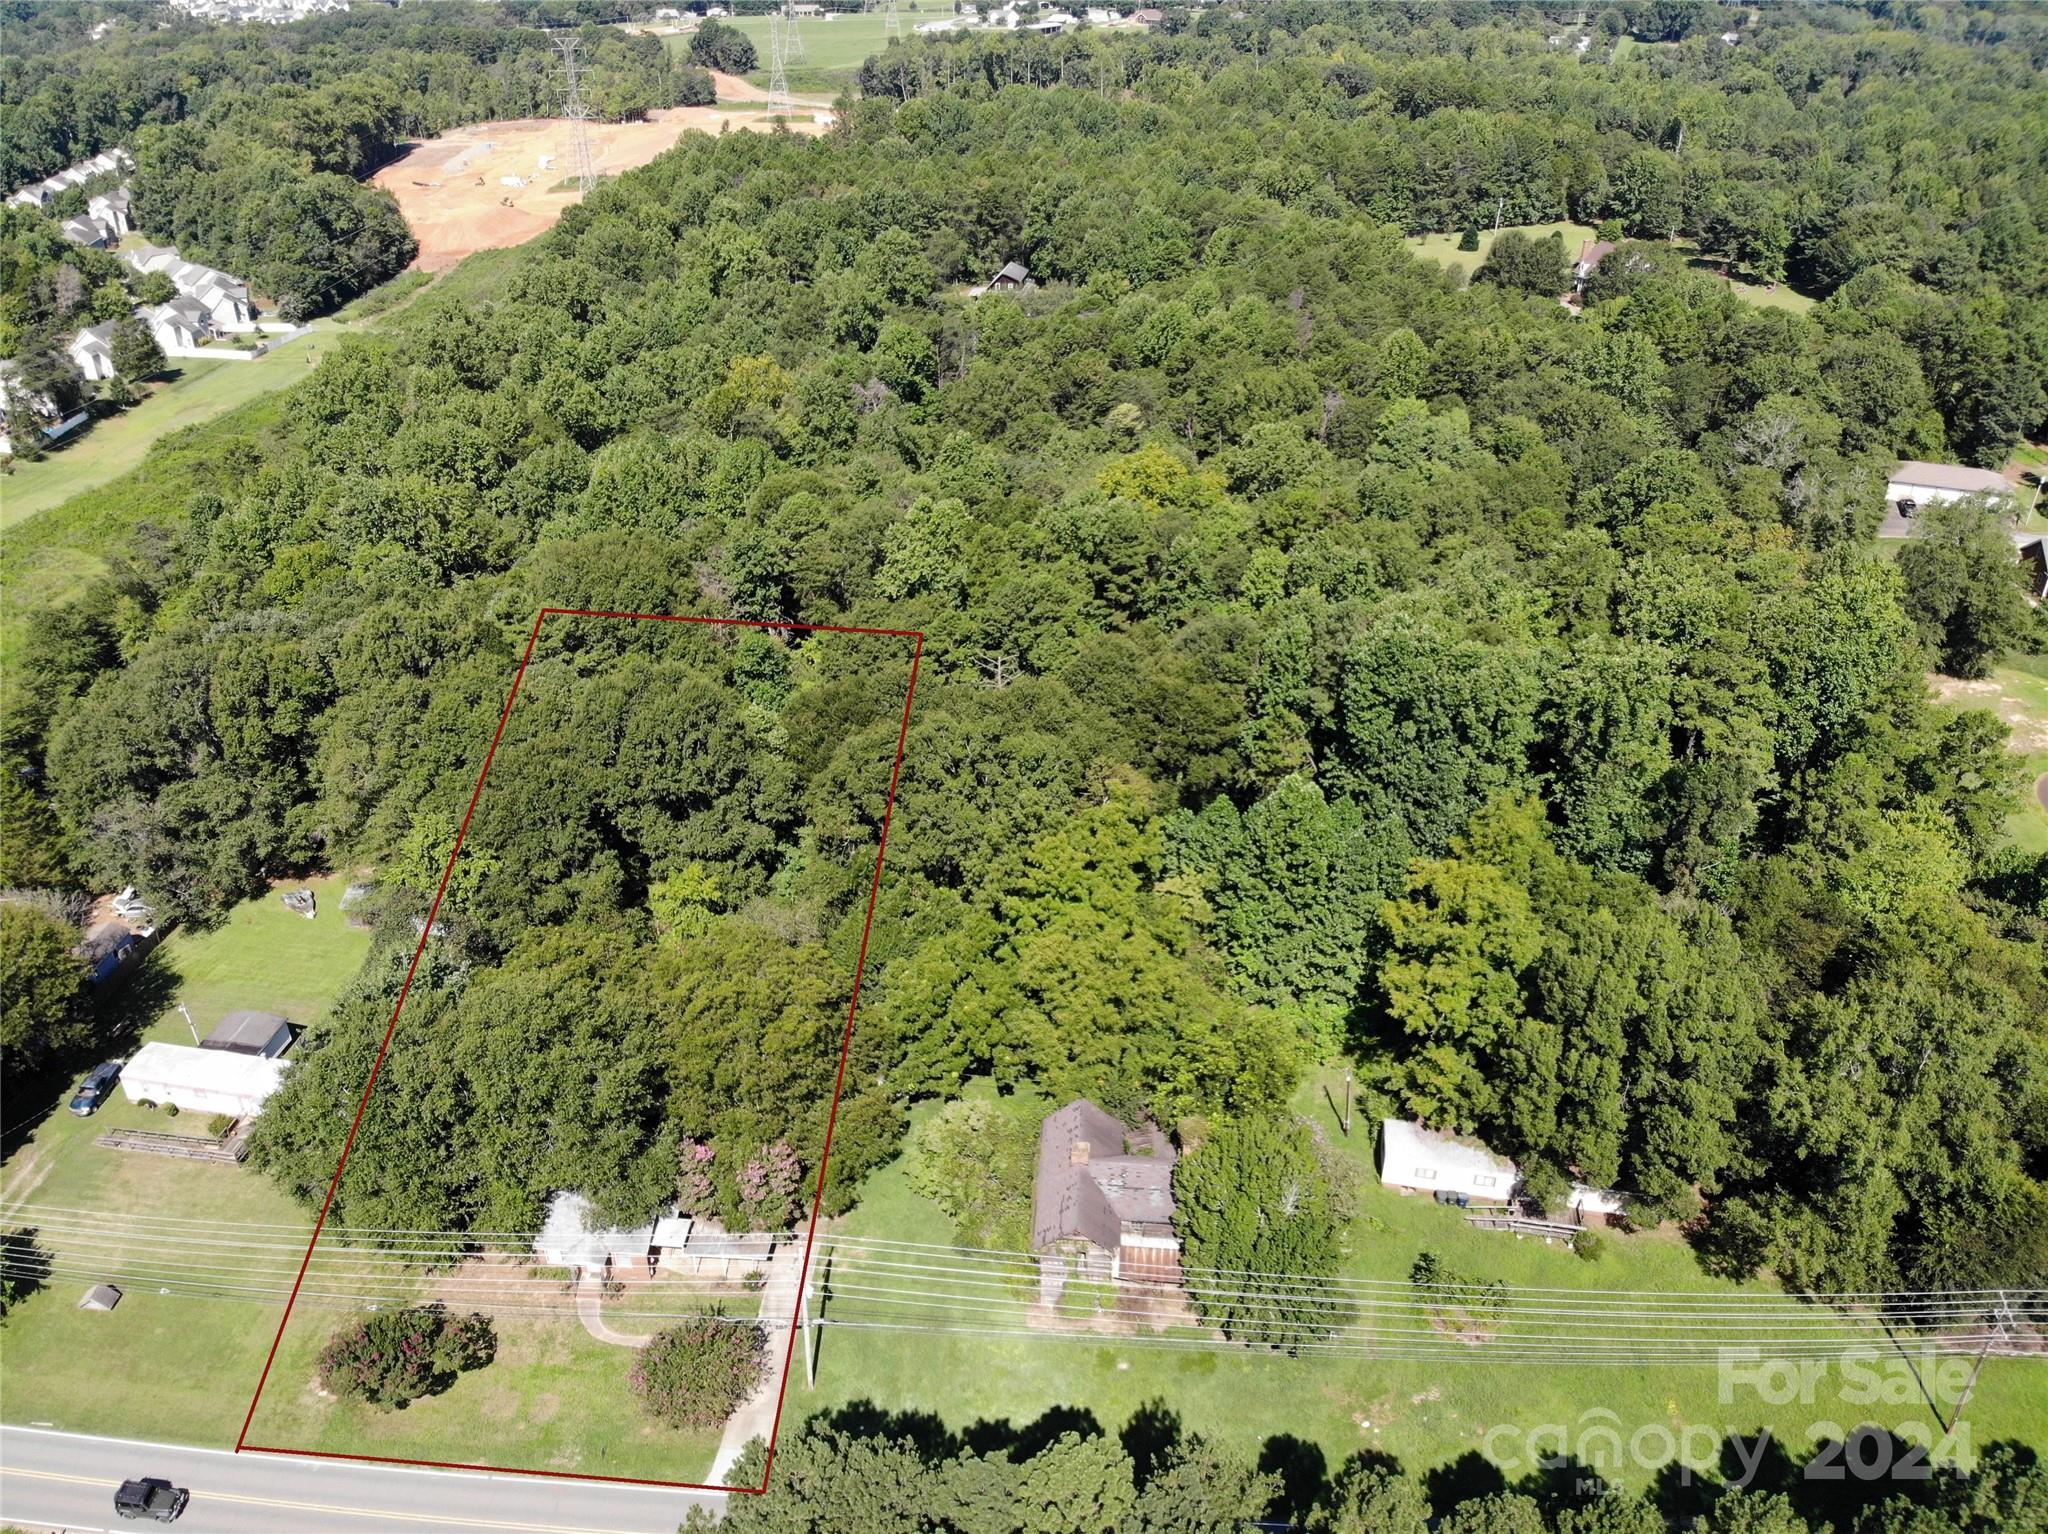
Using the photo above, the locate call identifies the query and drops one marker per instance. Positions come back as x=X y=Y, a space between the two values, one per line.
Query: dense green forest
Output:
x=1820 y=147
x=1321 y=657
x=863 y=1471
x=249 y=140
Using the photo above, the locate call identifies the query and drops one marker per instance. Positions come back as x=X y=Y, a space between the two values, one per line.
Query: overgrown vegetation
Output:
x=1319 y=656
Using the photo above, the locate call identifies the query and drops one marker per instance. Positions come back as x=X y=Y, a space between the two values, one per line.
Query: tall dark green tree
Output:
x=1258 y=1206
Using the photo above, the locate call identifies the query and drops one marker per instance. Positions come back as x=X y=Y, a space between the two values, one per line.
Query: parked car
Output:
x=93 y=1090
x=151 y=1498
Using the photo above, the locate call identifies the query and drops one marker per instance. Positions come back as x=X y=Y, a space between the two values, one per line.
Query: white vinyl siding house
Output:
x=92 y=349
x=1925 y=484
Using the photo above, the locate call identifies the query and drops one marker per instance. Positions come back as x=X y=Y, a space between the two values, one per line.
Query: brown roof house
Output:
x=1102 y=1207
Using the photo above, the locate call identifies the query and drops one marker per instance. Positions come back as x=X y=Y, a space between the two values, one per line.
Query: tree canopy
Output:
x=1320 y=653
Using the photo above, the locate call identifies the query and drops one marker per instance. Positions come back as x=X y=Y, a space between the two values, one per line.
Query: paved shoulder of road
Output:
x=66 y=1481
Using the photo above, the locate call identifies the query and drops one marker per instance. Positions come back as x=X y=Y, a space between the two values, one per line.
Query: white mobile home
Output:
x=1914 y=483
x=201 y=1080
x=1418 y=1160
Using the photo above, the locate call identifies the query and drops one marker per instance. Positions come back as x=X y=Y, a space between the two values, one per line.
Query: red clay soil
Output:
x=495 y=184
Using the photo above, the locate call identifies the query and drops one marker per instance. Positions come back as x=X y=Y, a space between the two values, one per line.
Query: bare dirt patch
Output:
x=495 y=184
x=2029 y=730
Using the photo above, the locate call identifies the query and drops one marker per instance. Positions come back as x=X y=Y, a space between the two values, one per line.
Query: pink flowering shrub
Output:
x=768 y=1188
x=396 y=1356
x=693 y=1178
x=695 y=1375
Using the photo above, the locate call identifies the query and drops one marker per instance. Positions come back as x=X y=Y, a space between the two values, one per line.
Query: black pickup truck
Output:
x=151 y=1499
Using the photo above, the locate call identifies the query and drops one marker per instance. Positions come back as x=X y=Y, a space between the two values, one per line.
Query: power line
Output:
x=465 y=1243
x=566 y=43
x=781 y=25
x=882 y=1300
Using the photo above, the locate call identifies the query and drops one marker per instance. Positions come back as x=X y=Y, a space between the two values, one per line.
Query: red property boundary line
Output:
x=242 y=1444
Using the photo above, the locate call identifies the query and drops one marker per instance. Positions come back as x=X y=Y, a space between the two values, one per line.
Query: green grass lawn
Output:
x=263 y=958
x=1427 y=1413
x=553 y=1399
x=1443 y=248
x=833 y=50
x=75 y=1368
x=66 y=516
x=2032 y=459
x=2017 y=693
x=197 y=392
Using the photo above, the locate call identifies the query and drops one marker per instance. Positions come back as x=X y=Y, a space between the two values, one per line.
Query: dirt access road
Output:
x=495 y=184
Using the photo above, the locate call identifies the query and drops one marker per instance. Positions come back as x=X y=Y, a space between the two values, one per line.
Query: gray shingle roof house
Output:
x=264 y=1034
x=1591 y=254
x=1103 y=1196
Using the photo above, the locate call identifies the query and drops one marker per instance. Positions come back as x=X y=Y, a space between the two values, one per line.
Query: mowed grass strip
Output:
x=554 y=1398
x=70 y=516
x=1427 y=1413
x=833 y=50
x=194 y=392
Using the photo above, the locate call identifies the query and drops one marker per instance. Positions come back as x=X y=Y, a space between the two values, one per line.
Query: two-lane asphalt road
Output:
x=66 y=1481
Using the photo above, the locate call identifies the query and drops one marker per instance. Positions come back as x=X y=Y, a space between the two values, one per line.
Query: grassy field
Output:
x=833 y=50
x=2017 y=693
x=554 y=1398
x=1432 y=1415
x=2032 y=459
x=1443 y=248
x=264 y=958
x=66 y=1366
x=196 y=393
x=70 y=515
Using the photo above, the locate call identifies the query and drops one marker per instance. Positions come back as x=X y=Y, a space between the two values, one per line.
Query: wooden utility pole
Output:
x=1997 y=1334
x=811 y=1325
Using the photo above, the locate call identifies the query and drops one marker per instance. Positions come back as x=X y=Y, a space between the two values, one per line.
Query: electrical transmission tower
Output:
x=778 y=60
x=577 y=113
x=892 y=25
x=792 y=40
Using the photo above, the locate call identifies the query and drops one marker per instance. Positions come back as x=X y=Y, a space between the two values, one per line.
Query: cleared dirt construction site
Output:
x=495 y=184
x=555 y=1400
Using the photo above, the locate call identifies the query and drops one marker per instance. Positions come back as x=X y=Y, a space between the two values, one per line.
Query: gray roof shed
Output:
x=251 y=1033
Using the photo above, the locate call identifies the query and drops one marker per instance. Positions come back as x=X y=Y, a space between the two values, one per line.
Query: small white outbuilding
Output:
x=201 y=1080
